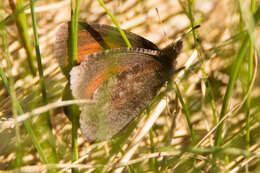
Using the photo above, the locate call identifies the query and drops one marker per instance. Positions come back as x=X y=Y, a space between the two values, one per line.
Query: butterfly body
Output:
x=121 y=81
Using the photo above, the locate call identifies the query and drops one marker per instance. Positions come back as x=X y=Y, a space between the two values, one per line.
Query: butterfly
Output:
x=121 y=81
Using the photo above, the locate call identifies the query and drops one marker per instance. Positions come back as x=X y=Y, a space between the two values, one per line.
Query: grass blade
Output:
x=73 y=110
x=45 y=119
x=233 y=76
x=22 y=27
x=19 y=151
x=187 y=113
x=116 y=23
x=27 y=123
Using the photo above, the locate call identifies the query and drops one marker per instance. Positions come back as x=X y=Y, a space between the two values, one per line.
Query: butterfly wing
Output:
x=121 y=82
x=94 y=38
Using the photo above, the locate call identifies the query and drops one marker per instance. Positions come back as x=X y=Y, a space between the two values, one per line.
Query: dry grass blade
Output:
x=39 y=110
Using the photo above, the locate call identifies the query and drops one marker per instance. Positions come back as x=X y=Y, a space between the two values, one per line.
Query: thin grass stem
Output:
x=22 y=26
x=187 y=113
x=19 y=150
x=52 y=158
x=250 y=77
x=116 y=23
x=233 y=76
x=15 y=13
x=27 y=123
x=191 y=17
x=72 y=61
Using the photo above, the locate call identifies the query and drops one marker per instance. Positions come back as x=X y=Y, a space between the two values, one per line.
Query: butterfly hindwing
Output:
x=121 y=82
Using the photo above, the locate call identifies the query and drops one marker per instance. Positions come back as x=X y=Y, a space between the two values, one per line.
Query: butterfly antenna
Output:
x=164 y=33
x=186 y=33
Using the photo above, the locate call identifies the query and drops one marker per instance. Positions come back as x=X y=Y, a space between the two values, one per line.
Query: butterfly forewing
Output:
x=94 y=38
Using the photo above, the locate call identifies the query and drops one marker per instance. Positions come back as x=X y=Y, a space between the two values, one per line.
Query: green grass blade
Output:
x=250 y=77
x=257 y=15
x=4 y=79
x=209 y=93
x=38 y=55
x=19 y=150
x=12 y=16
x=187 y=113
x=27 y=123
x=248 y=19
x=236 y=67
x=189 y=13
x=116 y=23
x=152 y=150
x=22 y=27
x=233 y=76
x=191 y=18
x=52 y=158
x=74 y=113
x=74 y=32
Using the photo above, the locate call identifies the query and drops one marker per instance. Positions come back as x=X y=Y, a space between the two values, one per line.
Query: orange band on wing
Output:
x=91 y=48
x=101 y=77
x=88 y=44
x=88 y=49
